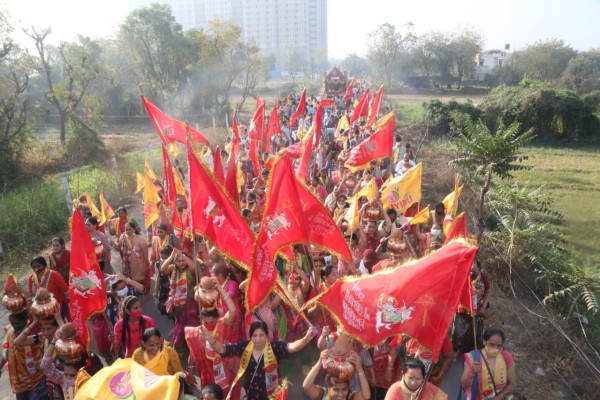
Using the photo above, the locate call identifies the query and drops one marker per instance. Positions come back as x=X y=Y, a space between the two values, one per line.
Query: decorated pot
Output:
x=14 y=302
x=206 y=295
x=44 y=308
x=396 y=246
x=69 y=349
x=372 y=212
x=338 y=367
x=351 y=182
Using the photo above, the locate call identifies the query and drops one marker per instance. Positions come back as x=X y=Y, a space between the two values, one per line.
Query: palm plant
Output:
x=488 y=154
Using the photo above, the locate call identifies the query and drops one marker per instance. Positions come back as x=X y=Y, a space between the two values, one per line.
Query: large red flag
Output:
x=169 y=129
x=215 y=217
x=312 y=141
x=294 y=150
x=273 y=128
x=418 y=299
x=362 y=108
x=300 y=110
x=218 y=167
x=320 y=227
x=318 y=122
x=236 y=139
x=378 y=145
x=170 y=195
x=87 y=290
x=349 y=92
x=375 y=107
x=282 y=225
x=256 y=166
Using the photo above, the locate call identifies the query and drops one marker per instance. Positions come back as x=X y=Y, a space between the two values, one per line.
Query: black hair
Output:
x=259 y=325
x=148 y=333
x=122 y=209
x=391 y=211
x=210 y=313
x=415 y=364
x=162 y=226
x=246 y=212
x=213 y=389
x=326 y=271
x=478 y=263
x=38 y=260
x=167 y=250
x=330 y=382
x=58 y=239
x=440 y=205
x=222 y=269
x=93 y=221
x=19 y=317
x=491 y=331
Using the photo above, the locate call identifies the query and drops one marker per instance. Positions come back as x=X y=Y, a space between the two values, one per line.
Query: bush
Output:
x=449 y=117
x=84 y=142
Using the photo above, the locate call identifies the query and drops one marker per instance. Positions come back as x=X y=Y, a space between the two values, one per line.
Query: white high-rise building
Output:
x=288 y=29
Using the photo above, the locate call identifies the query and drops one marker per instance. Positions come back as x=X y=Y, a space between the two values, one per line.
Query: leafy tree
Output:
x=544 y=60
x=488 y=154
x=583 y=73
x=159 y=51
x=464 y=47
x=355 y=65
x=256 y=70
x=68 y=72
x=293 y=64
x=385 y=51
x=431 y=55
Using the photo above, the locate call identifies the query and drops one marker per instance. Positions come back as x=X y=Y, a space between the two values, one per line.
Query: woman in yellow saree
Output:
x=156 y=355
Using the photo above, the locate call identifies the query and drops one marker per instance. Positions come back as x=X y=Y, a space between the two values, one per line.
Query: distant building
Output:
x=279 y=27
x=487 y=60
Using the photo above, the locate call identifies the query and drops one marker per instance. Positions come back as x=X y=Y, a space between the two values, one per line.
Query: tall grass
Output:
x=410 y=113
x=31 y=214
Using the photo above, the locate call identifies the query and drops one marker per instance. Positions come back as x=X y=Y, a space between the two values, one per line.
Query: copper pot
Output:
x=14 y=302
x=351 y=182
x=345 y=225
x=396 y=246
x=206 y=295
x=338 y=367
x=44 y=308
x=69 y=349
x=372 y=213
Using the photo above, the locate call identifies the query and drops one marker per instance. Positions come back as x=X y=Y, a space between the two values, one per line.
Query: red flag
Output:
x=218 y=167
x=215 y=217
x=300 y=110
x=170 y=195
x=169 y=129
x=375 y=107
x=282 y=225
x=274 y=127
x=458 y=229
x=349 y=92
x=294 y=150
x=87 y=290
x=318 y=122
x=257 y=125
x=320 y=227
x=418 y=299
x=312 y=141
x=236 y=139
x=254 y=158
x=362 y=108
x=378 y=145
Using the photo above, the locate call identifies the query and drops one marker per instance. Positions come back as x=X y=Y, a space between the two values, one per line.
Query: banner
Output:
x=378 y=145
x=370 y=192
x=87 y=290
x=126 y=379
x=418 y=299
x=362 y=108
x=105 y=210
x=300 y=110
x=458 y=229
x=215 y=217
x=375 y=108
x=403 y=190
x=451 y=201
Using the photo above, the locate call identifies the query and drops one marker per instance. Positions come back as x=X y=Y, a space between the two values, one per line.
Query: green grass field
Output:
x=571 y=177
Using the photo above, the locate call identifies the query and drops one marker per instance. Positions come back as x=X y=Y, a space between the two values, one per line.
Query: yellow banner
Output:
x=421 y=217
x=94 y=210
x=127 y=379
x=106 y=210
x=342 y=125
x=140 y=182
x=151 y=200
x=149 y=171
x=403 y=190
x=451 y=201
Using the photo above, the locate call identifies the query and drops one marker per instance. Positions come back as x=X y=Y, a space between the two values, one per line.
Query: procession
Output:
x=298 y=257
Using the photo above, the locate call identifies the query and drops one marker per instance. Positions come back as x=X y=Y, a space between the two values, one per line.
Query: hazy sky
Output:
x=518 y=22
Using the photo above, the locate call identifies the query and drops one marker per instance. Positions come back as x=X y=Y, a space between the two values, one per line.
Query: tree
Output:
x=68 y=72
x=293 y=63
x=256 y=69
x=488 y=154
x=464 y=46
x=583 y=73
x=158 y=49
x=355 y=65
x=385 y=50
x=544 y=60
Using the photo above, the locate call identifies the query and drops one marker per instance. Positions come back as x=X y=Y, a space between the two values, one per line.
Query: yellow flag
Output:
x=149 y=172
x=179 y=188
x=173 y=149
x=151 y=200
x=228 y=147
x=403 y=190
x=451 y=201
x=92 y=206
x=239 y=178
x=383 y=121
x=342 y=125
x=140 y=182
x=127 y=379
x=371 y=193
x=105 y=209
x=421 y=217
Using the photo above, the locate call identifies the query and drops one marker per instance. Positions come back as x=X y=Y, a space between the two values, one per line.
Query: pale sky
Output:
x=517 y=22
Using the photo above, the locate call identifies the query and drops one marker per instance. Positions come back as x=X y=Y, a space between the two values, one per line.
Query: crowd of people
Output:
x=215 y=344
